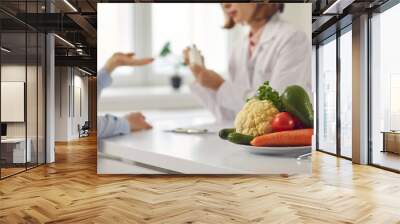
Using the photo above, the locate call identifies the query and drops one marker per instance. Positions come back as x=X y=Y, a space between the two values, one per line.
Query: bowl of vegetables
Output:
x=272 y=123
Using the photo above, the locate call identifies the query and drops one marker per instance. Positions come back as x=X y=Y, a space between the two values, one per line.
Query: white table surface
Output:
x=19 y=151
x=13 y=140
x=156 y=150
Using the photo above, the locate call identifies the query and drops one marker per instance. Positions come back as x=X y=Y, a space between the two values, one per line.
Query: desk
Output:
x=16 y=148
x=156 y=151
x=391 y=141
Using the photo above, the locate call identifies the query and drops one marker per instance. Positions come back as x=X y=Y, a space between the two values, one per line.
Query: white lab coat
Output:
x=282 y=57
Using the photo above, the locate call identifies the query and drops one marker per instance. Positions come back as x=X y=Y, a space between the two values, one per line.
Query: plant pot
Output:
x=176 y=82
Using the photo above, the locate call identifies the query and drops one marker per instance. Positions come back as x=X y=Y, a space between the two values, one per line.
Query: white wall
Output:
x=79 y=117
x=61 y=103
x=69 y=82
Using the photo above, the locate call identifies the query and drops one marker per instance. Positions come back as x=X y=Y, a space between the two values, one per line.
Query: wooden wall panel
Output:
x=93 y=103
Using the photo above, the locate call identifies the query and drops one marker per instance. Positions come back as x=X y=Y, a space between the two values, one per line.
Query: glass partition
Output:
x=14 y=153
x=23 y=91
x=34 y=57
x=327 y=96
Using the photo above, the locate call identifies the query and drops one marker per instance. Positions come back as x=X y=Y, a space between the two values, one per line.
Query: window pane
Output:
x=147 y=27
x=386 y=88
x=346 y=94
x=115 y=28
x=199 y=24
x=327 y=97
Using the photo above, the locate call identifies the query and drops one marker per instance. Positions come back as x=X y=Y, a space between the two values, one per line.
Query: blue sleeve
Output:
x=109 y=125
x=103 y=80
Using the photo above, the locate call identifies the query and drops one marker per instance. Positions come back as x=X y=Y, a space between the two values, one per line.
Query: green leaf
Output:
x=266 y=92
x=166 y=49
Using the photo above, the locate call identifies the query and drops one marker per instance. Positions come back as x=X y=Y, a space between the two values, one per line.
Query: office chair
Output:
x=84 y=130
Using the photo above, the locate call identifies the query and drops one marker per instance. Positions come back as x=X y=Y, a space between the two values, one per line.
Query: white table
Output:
x=156 y=151
x=19 y=153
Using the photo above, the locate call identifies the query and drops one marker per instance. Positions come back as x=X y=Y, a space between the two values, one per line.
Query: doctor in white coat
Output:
x=273 y=51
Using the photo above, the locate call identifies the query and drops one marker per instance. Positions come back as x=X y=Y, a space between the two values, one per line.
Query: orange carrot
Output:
x=298 y=137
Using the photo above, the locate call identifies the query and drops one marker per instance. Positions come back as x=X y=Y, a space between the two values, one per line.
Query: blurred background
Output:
x=146 y=28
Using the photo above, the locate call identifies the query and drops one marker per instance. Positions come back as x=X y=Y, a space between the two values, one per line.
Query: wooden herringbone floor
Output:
x=70 y=191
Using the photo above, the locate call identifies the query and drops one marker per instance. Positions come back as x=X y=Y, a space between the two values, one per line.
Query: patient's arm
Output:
x=125 y=59
x=118 y=59
x=110 y=125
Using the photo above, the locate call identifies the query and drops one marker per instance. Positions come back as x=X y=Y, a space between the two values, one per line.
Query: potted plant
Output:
x=177 y=63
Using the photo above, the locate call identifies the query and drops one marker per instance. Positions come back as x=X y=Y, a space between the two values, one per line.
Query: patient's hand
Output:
x=125 y=59
x=137 y=121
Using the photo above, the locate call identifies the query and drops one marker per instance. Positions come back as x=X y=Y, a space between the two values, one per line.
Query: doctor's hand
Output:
x=185 y=53
x=137 y=122
x=186 y=58
x=128 y=59
x=207 y=78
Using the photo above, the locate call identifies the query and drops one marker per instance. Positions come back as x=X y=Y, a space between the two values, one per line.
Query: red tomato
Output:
x=283 y=121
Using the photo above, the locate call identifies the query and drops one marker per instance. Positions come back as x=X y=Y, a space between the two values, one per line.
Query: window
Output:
x=147 y=27
x=115 y=19
x=333 y=106
x=385 y=88
x=346 y=94
x=327 y=96
x=199 y=24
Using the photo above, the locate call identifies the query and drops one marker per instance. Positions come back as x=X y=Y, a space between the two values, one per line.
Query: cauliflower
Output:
x=256 y=117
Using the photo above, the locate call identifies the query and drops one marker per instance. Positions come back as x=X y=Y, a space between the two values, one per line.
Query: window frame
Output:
x=333 y=37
